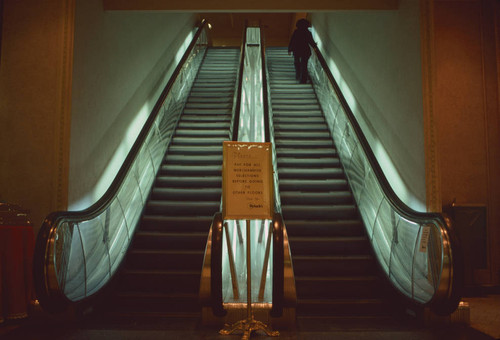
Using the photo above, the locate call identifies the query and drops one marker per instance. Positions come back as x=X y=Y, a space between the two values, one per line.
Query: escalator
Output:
x=335 y=271
x=344 y=247
x=161 y=274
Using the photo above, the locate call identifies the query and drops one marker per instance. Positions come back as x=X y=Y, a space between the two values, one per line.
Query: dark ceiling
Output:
x=227 y=28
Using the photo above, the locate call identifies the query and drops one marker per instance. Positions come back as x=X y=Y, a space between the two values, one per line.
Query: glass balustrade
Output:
x=411 y=247
x=251 y=129
x=234 y=286
x=84 y=249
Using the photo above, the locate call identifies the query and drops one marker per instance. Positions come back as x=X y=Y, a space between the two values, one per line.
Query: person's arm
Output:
x=311 y=41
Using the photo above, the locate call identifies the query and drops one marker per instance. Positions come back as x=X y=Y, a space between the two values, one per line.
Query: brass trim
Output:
x=432 y=171
x=232 y=267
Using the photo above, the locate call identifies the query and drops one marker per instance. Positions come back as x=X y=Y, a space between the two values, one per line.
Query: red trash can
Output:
x=17 y=243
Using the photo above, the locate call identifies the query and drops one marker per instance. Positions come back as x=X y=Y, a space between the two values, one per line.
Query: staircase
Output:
x=161 y=275
x=335 y=272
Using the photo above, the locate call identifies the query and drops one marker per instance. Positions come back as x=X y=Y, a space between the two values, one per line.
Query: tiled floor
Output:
x=484 y=315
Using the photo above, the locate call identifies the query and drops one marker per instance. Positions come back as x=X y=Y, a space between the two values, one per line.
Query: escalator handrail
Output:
x=217 y=222
x=239 y=87
x=265 y=97
x=278 y=224
x=49 y=226
x=449 y=293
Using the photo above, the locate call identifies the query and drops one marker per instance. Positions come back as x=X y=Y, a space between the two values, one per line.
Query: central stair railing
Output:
x=245 y=128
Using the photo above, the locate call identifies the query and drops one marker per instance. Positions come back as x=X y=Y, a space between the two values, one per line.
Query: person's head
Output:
x=302 y=24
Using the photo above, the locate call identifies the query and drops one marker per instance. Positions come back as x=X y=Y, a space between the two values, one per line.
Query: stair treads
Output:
x=306 y=153
x=313 y=198
x=335 y=270
x=190 y=150
x=189 y=182
x=319 y=212
x=313 y=185
x=161 y=275
x=176 y=223
x=332 y=228
x=311 y=163
x=156 y=240
x=192 y=125
x=331 y=265
x=306 y=128
x=182 y=207
x=287 y=143
x=191 y=170
x=186 y=194
x=297 y=113
x=201 y=141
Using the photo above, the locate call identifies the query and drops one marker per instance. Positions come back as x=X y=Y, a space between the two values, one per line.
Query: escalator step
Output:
x=165 y=259
x=157 y=240
x=311 y=173
x=206 y=118
x=217 y=106
x=312 y=198
x=303 y=135
x=205 y=141
x=194 y=133
x=344 y=265
x=298 y=144
x=189 y=182
x=193 y=159
x=180 y=281
x=315 y=246
x=200 y=208
x=219 y=114
x=347 y=227
x=319 y=212
x=190 y=170
x=190 y=150
x=283 y=120
x=298 y=113
x=343 y=307
x=306 y=153
x=176 y=223
x=186 y=194
x=300 y=163
x=156 y=304
x=301 y=128
x=210 y=99
x=363 y=287
x=313 y=185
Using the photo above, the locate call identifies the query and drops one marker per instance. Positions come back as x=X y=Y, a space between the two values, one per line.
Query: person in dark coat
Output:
x=299 y=45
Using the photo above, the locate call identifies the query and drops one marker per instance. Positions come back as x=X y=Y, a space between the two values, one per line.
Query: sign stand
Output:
x=247 y=192
x=249 y=324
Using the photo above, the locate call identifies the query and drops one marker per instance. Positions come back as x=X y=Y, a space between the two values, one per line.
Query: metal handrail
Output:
x=218 y=221
x=237 y=105
x=216 y=266
x=450 y=287
x=278 y=224
x=265 y=94
x=278 y=266
x=47 y=288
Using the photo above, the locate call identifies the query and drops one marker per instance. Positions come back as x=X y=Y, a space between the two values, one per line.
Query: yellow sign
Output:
x=247 y=182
